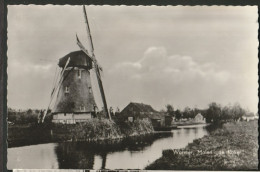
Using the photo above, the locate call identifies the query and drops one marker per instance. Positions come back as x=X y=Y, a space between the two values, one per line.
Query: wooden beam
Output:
x=97 y=67
x=55 y=89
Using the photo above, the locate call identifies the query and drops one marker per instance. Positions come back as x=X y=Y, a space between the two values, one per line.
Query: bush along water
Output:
x=138 y=127
x=91 y=130
x=101 y=129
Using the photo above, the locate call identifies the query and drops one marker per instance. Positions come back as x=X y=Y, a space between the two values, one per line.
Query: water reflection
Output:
x=134 y=153
x=95 y=155
x=35 y=156
x=70 y=156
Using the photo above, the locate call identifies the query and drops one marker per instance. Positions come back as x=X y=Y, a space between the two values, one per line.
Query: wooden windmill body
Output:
x=75 y=100
x=74 y=96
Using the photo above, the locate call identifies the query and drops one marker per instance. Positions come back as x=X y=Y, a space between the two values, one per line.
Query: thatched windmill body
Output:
x=73 y=91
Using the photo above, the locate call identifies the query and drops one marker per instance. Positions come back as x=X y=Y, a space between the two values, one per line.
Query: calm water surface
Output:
x=134 y=153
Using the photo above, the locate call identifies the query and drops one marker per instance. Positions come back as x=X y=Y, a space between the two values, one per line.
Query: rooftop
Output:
x=77 y=59
x=143 y=107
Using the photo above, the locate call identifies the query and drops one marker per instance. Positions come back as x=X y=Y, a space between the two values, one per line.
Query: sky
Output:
x=178 y=55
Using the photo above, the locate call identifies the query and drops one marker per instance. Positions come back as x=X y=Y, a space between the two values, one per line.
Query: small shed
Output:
x=157 y=119
x=199 y=118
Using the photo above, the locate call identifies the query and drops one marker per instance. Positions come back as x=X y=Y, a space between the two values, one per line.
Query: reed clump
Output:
x=138 y=127
x=96 y=129
x=92 y=130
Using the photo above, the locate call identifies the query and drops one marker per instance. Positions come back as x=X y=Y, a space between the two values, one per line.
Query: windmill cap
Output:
x=77 y=59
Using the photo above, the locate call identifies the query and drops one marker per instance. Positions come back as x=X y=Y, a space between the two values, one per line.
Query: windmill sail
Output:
x=88 y=31
x=97 y=67
x=82 y=47
x=55 y=89
x=86 y=52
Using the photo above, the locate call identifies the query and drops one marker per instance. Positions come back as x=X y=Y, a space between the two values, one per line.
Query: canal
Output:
x=131 y=153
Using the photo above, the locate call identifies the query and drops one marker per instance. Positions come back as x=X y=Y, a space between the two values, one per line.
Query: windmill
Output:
x=73 y=90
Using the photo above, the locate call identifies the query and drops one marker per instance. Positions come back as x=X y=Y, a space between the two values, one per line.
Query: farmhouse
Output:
x=136 y=111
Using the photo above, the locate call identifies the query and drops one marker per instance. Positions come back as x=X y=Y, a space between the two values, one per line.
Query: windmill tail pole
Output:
x=102 y=92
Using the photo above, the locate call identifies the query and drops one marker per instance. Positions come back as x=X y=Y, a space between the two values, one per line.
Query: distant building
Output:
x=135 y=111
x=249 y=117
x=199 y=118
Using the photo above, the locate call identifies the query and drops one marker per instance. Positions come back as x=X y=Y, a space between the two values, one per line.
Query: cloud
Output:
x=157 y=65
x=158 y=78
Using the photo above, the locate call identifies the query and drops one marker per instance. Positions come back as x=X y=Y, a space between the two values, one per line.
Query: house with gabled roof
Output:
x=199 y=118
x=135 y=111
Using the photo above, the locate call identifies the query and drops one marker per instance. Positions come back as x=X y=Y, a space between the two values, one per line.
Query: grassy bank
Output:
x=92 y=130
x=96 y=129
x=231 y=147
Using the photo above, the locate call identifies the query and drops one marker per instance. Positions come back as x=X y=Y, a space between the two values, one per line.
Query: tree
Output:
x=227 y=113
x=214 y=113
x=178 y=114
x=186 y=112
x=237 y=111
x=29 y=112
x=193 y=113
x=170 y=110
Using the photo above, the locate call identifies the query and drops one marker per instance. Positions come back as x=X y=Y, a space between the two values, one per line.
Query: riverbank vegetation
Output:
x=91 y=130
x=95 y=129
x=28 y=134
x=22 y=117
x=234 y=146
x=215 y=113
x=23 y=127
